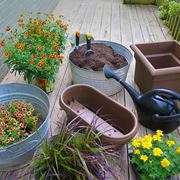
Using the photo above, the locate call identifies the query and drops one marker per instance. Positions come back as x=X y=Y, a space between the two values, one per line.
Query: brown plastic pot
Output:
x=116 y=123
x=157 y=65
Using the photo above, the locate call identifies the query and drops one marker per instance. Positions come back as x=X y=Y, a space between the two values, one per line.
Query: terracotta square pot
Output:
x=157 y=65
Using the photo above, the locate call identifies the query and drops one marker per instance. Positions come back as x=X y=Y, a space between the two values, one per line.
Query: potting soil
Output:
x=102 y=55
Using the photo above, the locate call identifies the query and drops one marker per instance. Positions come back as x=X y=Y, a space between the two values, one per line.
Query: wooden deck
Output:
x=106 y=20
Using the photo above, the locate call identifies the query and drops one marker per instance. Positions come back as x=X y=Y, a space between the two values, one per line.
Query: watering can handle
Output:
x=174 y=118
x=172 y=94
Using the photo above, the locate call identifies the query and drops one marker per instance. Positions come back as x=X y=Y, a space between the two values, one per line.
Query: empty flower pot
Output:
x=115 y=122
x=157 y=65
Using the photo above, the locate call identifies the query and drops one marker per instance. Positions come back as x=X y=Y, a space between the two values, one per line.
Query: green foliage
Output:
x=174 y=9
x=169 y=8
x=75 y=153
x=155 y=156
x=17 y=121
x=34 y=49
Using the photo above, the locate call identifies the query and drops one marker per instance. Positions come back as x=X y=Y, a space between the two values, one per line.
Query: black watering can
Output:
x=157 y=109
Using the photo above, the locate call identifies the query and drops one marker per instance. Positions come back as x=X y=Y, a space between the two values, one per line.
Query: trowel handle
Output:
x=169 y=118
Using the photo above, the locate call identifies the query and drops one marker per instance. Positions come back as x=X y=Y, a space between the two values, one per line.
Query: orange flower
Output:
x=43 y=60
x=2 y=44
x=8 y=28
x=40 y=64
x=43 y=55
x=44 y=22
x=1 y=134
x=11 y=139
x=32 y=61
x=52 y=56
x=40 y=48
x=6 y=54
x=60 y=56
x=56 y=48
x=52 y=35
x=20 y=46
x=35 y=55
x=22 y=125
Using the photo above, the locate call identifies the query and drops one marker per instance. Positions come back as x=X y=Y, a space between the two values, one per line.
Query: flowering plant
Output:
x=34 y=49
x=156 y=156
x=17 y=121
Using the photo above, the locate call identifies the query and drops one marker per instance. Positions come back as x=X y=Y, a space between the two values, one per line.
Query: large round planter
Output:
x=97 y=78
x=20 y=153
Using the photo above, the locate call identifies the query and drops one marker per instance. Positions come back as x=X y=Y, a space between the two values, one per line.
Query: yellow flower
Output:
x=178 y=150
x=146 y=144
x=165 y=163
x=144 y=158
x=159 y=133
x=157 y=138
x=137 y=142
x=148 y=138
x=157 y=152
x=136 y=151
x=170 y=143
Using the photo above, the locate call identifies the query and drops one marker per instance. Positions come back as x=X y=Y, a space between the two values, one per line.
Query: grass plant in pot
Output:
x=35 y=48
x=24 y=110
x=87 y=62
x=75 y=153
x=155 y=157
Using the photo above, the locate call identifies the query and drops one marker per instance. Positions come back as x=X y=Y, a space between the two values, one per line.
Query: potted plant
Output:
x=75 y=153
x=24 y=113
x=87 y=62
x=155 y=157
x=35 y=48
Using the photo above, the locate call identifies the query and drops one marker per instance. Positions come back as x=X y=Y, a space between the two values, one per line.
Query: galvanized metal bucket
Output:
x=19 y=153
x=97 y=78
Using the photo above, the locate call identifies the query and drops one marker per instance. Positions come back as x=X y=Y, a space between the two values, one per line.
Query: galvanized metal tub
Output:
x=97 y=78
x=21 y=152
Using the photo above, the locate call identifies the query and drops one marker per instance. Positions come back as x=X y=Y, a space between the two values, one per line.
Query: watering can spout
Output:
x=109 y=73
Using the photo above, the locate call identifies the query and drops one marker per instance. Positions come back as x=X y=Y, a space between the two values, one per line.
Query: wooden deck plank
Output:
x=96 y=23
x=88 y=18
x=110 y=20
x=126 y=33
x=106 y=22
x=153 y=24
x=136 y=28
x=115 y=23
